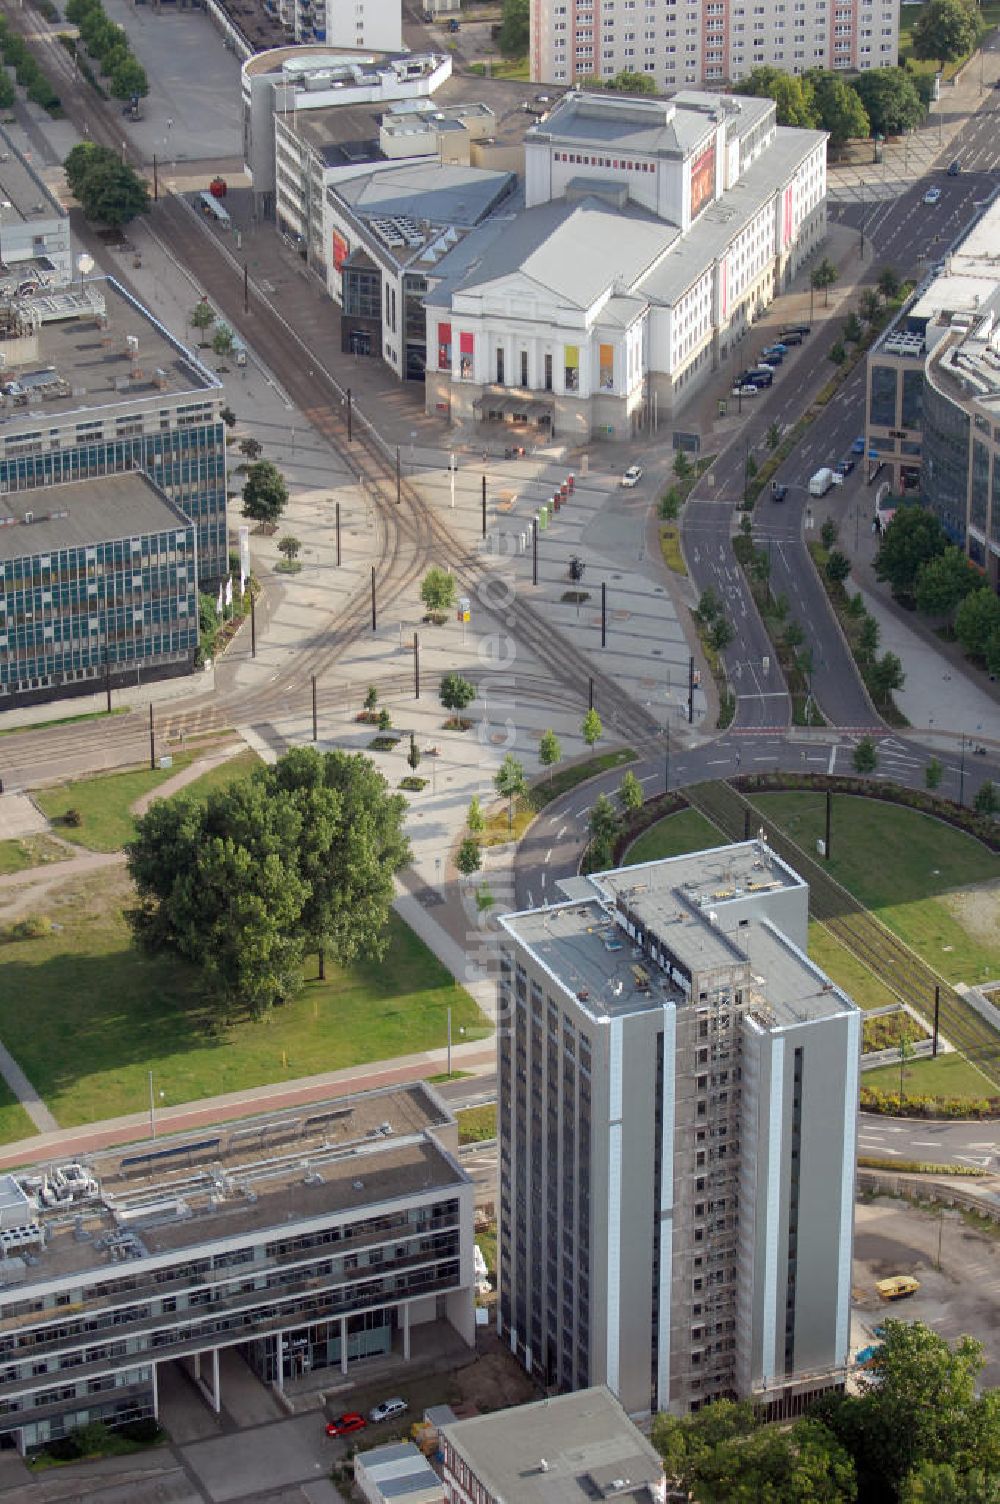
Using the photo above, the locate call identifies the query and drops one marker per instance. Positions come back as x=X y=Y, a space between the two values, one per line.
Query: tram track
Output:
x=860 y=931
x=414 y=536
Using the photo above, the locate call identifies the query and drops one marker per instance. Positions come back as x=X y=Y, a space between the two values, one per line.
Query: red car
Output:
x=343 y=1425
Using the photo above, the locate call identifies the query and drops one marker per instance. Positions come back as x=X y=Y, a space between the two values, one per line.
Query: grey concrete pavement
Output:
x=233 y=1467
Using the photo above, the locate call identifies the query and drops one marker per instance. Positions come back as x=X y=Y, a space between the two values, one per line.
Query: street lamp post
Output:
x=961 y=775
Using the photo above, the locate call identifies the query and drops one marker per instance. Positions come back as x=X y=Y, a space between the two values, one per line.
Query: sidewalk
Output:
x=475 y=1058
x=942 y=694
x=906 y=158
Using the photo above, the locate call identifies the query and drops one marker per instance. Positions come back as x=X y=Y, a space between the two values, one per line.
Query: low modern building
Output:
x=655 y=233
x=677 y=1090
x=93 y=385
x=933 y=413
x=312 y=119
x=707 y=42
x=571 y=1448
x=397 y=1474
x=307 y=1239
x=289 y=87
x=102 y=582
x=388 y=230
x=34 y=227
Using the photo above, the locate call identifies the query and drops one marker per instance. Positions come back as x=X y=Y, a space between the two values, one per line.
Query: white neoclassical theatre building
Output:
x=655 y=232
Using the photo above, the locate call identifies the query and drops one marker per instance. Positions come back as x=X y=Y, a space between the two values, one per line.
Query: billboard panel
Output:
x=702 y=180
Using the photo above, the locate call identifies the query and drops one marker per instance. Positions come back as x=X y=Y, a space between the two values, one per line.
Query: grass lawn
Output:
x=31 y=851
x=503 y=67
x=14 y=1121
x=104 y=803
x=477 y=1124
x=87 y=1015
x=670 y=547
x=223 y=775
x=989 y=15
x=947 y=1076
x=497 y=830
x=905 y=866
x=674 y=835
x=847 y=971
x=66 y=720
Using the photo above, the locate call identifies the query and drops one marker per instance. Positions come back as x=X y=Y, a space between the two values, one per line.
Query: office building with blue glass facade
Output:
x=92 y=387
x=102 y=584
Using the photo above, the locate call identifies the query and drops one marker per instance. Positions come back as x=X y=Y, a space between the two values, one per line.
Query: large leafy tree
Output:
x=917 y=1406
x=977 y=620
x=945 y=30
x=515 y=27
x=107 y=190
x=350 y=849
x=804 y=1464
x=890 y=98
x=912 y=539
x=838 y=107
x=219 y=886
x=793 y=95
x=265 y=494
x=944 y=581
x=297 y=857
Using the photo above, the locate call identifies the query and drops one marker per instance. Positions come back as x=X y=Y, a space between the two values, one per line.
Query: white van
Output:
x=821 y=482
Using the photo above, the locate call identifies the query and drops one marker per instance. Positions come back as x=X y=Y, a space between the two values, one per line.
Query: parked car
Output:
x=778 y=492
x=795 y=329
x=897 y=1286
x=791 y=336
x=454 y=25
x=387 y=1410
x=772 y=356
x=778 y=347
x=836 y=478
x=844 y=467
x=746 y=390
x=954 y=168
x=759 y=378
x=632 y=477
x=858 y=447
x=343 y=1425
x=932 y=195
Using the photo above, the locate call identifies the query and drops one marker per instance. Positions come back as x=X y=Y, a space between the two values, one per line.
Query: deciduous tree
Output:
x=890 y=99
x=469 y=857
x=591 y=728
x=945 y=31
x=865 y=756
x=549 y=751
x=456 y=693
x=510 y=783
x=977 y=620
x=944 y=581
x=912 y=539
x=265 y=494
x=438 y=591
x=630 y=795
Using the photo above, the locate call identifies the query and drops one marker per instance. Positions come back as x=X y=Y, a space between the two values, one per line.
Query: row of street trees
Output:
x=294 y=859
x=879 y=101
x=109 y=44
x=926 y=571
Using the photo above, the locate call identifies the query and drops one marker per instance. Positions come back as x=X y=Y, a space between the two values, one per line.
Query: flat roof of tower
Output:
x=691 y=917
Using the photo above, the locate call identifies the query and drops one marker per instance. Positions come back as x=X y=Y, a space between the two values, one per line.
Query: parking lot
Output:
x=962 y=1296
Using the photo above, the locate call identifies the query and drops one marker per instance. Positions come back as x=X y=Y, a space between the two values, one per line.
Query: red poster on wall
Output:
x=466 y=347
x=444 y=347
x=703 y=181
x=341 y=250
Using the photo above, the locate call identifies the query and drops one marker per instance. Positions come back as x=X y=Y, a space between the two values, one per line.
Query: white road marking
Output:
x=548 y=857
x=833 y=759
x=560 y=832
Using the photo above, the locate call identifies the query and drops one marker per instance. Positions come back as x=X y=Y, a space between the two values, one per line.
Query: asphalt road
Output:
x=962 y=1143
x=909 y=235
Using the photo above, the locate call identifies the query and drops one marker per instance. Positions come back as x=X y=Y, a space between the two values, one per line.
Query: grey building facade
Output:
x=102 y=583
x=304 y=1239
x=677 y=1121
x=93 y=385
